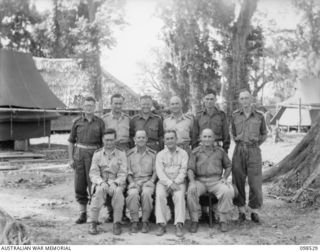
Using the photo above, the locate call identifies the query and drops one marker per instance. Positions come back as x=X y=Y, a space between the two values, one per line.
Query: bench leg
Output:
x=210 y=211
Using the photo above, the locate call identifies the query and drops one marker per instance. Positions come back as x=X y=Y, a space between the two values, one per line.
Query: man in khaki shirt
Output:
x=181 y=123
x=141 y=178
x=208 y=170
x=108 y=175
x=171 y=167
x=249 y=132
x=118 y=120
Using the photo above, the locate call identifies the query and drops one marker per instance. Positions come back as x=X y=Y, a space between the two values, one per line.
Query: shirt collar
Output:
x=215 y=111
x=168 y=151
x=112 y=153
x=135 y=150
x=252 y=112
x=181 y=117
x=112 y=115
x=85 y=119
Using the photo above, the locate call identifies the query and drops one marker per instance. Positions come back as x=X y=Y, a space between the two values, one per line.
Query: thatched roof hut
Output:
x=70 y=84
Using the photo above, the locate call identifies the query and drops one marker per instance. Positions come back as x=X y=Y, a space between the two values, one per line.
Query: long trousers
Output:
x=82 y=184
x=246 y=162
x=140 y=197
x=100 y=196
x=178 y=201
x=223 y=192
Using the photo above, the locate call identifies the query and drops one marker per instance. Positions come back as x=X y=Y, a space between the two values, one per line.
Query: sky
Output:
x=141 y=34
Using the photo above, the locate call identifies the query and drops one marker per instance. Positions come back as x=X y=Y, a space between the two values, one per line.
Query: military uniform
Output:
x=86 y=137
x=184 y=128
x=121 y=125
x=217 y=123
x=141 y=166
x=171 y=167
x=112 y=169
x=248 y=134
x=207 y=168
x=154 y=128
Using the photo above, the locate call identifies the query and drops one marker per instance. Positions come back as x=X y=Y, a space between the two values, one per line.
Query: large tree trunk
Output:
x=299 y=173
x=11 y=231
x=238 y=70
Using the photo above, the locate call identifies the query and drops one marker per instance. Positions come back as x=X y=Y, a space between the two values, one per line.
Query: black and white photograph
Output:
x=159 y=122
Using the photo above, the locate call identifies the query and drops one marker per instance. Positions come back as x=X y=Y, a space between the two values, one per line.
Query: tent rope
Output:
x=44 y=123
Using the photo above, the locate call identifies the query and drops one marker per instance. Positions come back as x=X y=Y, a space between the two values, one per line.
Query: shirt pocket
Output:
x=238 y=123
x=216 y=125
x=153 y=132
x=254 y=129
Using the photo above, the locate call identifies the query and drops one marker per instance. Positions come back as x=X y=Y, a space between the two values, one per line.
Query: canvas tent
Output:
x=23 y=88
x=302 y=109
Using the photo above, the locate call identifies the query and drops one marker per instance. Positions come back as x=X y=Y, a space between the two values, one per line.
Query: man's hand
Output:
x=132 y=185
x=113 y=186
x=104 y=185
x=224 y=180
x=71 y=164
x=149 y=183
x=174 y=187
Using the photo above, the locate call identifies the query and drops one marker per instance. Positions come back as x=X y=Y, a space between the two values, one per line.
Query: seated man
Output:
x=205 y=173
x=141 y=177
x=108 y=174
x=171 y=167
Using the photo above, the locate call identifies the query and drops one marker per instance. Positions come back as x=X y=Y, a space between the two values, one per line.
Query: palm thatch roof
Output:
x=70 y=83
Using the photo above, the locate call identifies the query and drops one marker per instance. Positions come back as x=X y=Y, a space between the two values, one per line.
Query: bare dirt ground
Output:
x=43 y=200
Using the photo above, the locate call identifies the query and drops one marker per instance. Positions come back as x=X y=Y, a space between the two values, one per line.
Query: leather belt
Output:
x=88 y=147
x=252 y=145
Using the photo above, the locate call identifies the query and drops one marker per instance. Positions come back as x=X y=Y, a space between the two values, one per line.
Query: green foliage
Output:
x=17 y=19
x=189 y=35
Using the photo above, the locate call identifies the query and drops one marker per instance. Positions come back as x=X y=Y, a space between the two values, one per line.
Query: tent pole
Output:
x=299 y=126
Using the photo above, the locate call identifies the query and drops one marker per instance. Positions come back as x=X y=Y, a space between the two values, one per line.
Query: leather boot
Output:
x=179 y=232
x=161 y=230
x=117 y=228
x=134 y=227
x=82 y=218
x=93 y=228
x=194 y=227
x=145 y=227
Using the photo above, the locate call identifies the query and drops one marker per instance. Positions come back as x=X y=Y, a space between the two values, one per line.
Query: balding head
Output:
x=207 y=137
x=175 y=105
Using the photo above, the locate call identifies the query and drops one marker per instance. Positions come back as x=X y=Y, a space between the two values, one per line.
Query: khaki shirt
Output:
x=217 y=122
x=87 y=133
x=108 y=167
x=171 y=167
x=208 y=164
x=250 y=130
x=153 y=125
x=141 y=165
x=183 y=126
x=121 y=125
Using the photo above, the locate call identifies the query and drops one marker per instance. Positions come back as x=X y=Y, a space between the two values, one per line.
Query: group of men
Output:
x=146 y=157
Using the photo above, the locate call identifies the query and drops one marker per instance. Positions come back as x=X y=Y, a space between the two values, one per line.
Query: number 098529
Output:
x=309 y=248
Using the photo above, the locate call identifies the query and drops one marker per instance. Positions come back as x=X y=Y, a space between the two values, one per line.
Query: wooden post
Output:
x=299 y=125
x=49 y=142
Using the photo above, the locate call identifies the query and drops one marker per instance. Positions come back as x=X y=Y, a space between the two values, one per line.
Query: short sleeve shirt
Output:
x=121 y=125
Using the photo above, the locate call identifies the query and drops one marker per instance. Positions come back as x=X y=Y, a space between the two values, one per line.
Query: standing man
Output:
x=119 y=121
x=171 y=167
x=249 y=132
x=108 y=175
x=148 y=121
x=85 y=137
x=182 y=124
x=141 y=178
x=208 y=170
x=213 y=118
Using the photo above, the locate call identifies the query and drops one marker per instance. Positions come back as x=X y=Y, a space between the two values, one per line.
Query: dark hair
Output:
x=141 y=130
x=110 y=131
x=207 y=129
x=244 y=90
x=117 y=95
x=89 y=98
x=210 y=91
x=146 y=97
x=170 y=131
